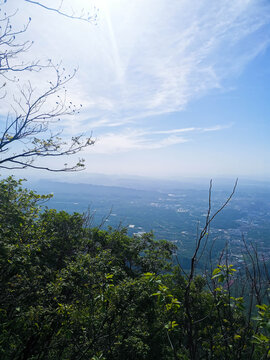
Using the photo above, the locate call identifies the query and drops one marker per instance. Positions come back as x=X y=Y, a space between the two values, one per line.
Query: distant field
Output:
x=176 y=214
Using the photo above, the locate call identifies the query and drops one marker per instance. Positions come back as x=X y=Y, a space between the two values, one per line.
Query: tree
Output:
x=68 y=291
x=25 y=132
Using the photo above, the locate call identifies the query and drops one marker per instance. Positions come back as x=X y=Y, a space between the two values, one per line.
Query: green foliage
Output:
x=262 y=337
x=223 y=272
x=72 y=292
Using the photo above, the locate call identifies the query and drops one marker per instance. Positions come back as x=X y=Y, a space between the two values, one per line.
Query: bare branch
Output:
x=205 y=231
x=26 y=135
x=83 y=16
x=203 y=234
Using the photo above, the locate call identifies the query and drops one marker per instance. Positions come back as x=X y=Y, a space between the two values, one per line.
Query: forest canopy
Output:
x=72 y=291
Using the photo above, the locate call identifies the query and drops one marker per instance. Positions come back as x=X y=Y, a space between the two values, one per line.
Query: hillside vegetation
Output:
x=69 y=291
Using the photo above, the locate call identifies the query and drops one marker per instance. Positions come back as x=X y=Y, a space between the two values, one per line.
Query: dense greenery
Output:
x=69 y=291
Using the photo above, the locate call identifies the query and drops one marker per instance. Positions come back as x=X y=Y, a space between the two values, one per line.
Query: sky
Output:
x=169 y=89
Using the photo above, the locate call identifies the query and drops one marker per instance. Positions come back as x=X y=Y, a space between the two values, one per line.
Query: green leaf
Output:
x=216 y=271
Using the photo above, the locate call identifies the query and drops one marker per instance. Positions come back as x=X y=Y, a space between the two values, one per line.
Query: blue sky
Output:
x=169 y=88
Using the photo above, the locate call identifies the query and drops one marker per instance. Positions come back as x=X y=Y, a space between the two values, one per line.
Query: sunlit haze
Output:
x=169 y=88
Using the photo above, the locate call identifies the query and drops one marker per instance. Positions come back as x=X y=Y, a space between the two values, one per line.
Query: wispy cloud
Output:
x=149 y=58
x=167 y=54
x=216 y=128
x=192 y=129
x=175 y=131
x=141 y=139
x=132 y=140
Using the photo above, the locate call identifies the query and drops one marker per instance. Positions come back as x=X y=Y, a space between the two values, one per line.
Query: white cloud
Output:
x=129 y=140
x=148 y=58
x=167 y=54
x=217 y=128
x=141 y=139
x=192 y=129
